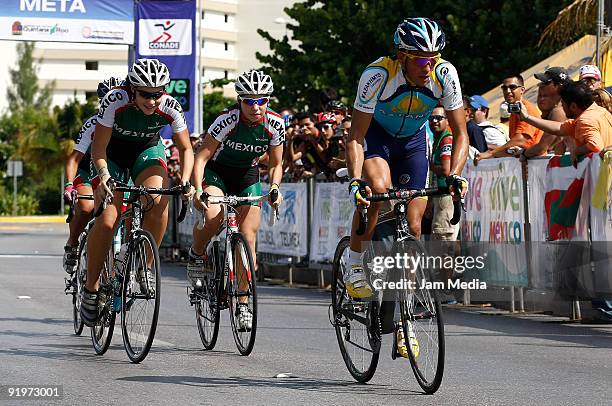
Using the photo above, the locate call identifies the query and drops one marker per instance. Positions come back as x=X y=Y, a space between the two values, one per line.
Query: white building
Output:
x=229 y=41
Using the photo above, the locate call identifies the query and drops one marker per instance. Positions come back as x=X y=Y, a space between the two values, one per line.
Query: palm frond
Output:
x=581 y=15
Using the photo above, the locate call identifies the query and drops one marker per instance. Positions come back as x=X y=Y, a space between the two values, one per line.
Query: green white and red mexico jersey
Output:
x=132 y=130
x=241 y=144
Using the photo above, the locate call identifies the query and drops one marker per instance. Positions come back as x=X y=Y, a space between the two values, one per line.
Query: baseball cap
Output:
x=477 y=101
x=557 y=74
x=326 y=118
x=590 y=71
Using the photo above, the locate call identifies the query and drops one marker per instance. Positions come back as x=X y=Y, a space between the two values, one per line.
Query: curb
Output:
x=33 y=219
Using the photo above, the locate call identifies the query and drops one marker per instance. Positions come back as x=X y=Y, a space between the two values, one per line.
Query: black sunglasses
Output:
x=436 y=118
x=150 y=96
x=512 y=87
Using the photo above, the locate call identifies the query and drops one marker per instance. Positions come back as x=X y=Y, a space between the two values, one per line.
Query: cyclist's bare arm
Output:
x=181 y=140
x=354 y=148
x=72 y=164
x=456 y=119
x=101 y=139
x=275 y=164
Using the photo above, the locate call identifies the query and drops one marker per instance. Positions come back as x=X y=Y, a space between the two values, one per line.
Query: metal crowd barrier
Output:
x=278 y=247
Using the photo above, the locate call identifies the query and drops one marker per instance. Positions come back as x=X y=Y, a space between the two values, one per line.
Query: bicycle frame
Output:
x=228 y=227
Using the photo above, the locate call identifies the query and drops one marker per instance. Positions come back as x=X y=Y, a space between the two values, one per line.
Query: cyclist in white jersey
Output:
x=77 y=172
x=388 y=143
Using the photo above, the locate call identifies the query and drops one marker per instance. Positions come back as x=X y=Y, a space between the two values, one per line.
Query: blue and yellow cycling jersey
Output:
x=400 y=108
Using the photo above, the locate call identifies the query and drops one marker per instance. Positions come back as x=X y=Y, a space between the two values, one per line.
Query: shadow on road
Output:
x=577 y=335
x=296 y=383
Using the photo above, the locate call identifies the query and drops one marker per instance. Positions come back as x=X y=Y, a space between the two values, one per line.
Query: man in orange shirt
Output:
x=588 y=124
x=521 y=133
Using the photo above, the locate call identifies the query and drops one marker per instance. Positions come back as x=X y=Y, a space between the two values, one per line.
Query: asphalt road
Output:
x=491 y=360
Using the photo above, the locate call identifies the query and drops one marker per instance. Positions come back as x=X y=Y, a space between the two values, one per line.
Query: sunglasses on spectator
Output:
x=326 y=126
x=436 y=118
x=150 y=96
x=422 y=61
x=259 y=101
x=511 y=87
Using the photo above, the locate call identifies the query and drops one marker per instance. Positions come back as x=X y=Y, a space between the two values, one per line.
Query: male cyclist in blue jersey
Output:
x=388 y=141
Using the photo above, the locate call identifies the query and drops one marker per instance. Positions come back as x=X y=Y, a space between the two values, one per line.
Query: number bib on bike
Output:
x=241 y=144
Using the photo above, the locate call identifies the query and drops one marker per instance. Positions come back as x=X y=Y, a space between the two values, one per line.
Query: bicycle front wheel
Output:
x=242 y=294
x=207 y=307
x=423 y=327
x=102 y=332
x=140 y=296
x=355 y=322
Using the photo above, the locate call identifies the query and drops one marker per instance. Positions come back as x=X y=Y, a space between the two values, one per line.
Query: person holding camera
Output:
x=588 y=124
x=552 y=81
x=522 y=134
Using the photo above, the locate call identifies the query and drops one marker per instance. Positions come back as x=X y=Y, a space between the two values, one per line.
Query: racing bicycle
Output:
x=361 y=323
x=139 y=293
x=231 y=280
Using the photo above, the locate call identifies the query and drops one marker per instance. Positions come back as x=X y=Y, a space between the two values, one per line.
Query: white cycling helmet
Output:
x=254 y=83
x=419 y=34
x=149 y=73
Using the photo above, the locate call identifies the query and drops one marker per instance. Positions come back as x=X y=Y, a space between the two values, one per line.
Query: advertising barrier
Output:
x=332 y=216
x=289 y=235
x=494 y=226
x=95 y=21
x=495 y=219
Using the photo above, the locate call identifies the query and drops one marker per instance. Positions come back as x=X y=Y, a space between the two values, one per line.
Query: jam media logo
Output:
x=163 y=41
x=17 y=28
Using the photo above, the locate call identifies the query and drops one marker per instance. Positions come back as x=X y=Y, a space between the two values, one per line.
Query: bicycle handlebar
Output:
x=407 y=194
x=142 y=190
x=233 y=201
x=74 y=196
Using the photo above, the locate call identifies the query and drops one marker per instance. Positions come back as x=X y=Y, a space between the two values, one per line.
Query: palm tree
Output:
x=579 y=18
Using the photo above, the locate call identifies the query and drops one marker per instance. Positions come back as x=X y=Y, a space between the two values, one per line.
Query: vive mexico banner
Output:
x=96 y=21
x=166 y=30
x=495 y=220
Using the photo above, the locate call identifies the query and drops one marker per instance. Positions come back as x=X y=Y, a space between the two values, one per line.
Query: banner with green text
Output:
x=495 y=219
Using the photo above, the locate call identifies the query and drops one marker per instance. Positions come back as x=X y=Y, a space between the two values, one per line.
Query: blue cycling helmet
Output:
x=108 y=84
x=419 y=34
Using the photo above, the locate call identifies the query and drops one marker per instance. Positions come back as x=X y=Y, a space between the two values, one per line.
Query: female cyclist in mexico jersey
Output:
x=126 y=144
x=226 y=164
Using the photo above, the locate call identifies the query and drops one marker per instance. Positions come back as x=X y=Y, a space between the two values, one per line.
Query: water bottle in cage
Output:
x=232 y=223
x=117 y=289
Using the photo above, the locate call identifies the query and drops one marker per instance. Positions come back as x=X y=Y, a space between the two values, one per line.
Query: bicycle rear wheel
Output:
x=423 y=327
x=207 y=307
x=355 y=322
x=242 y=281
x=140 y=304
x=102 y=332
x=79 y=283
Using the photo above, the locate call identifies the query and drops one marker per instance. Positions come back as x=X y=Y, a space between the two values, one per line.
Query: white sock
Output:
x=354 y=258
